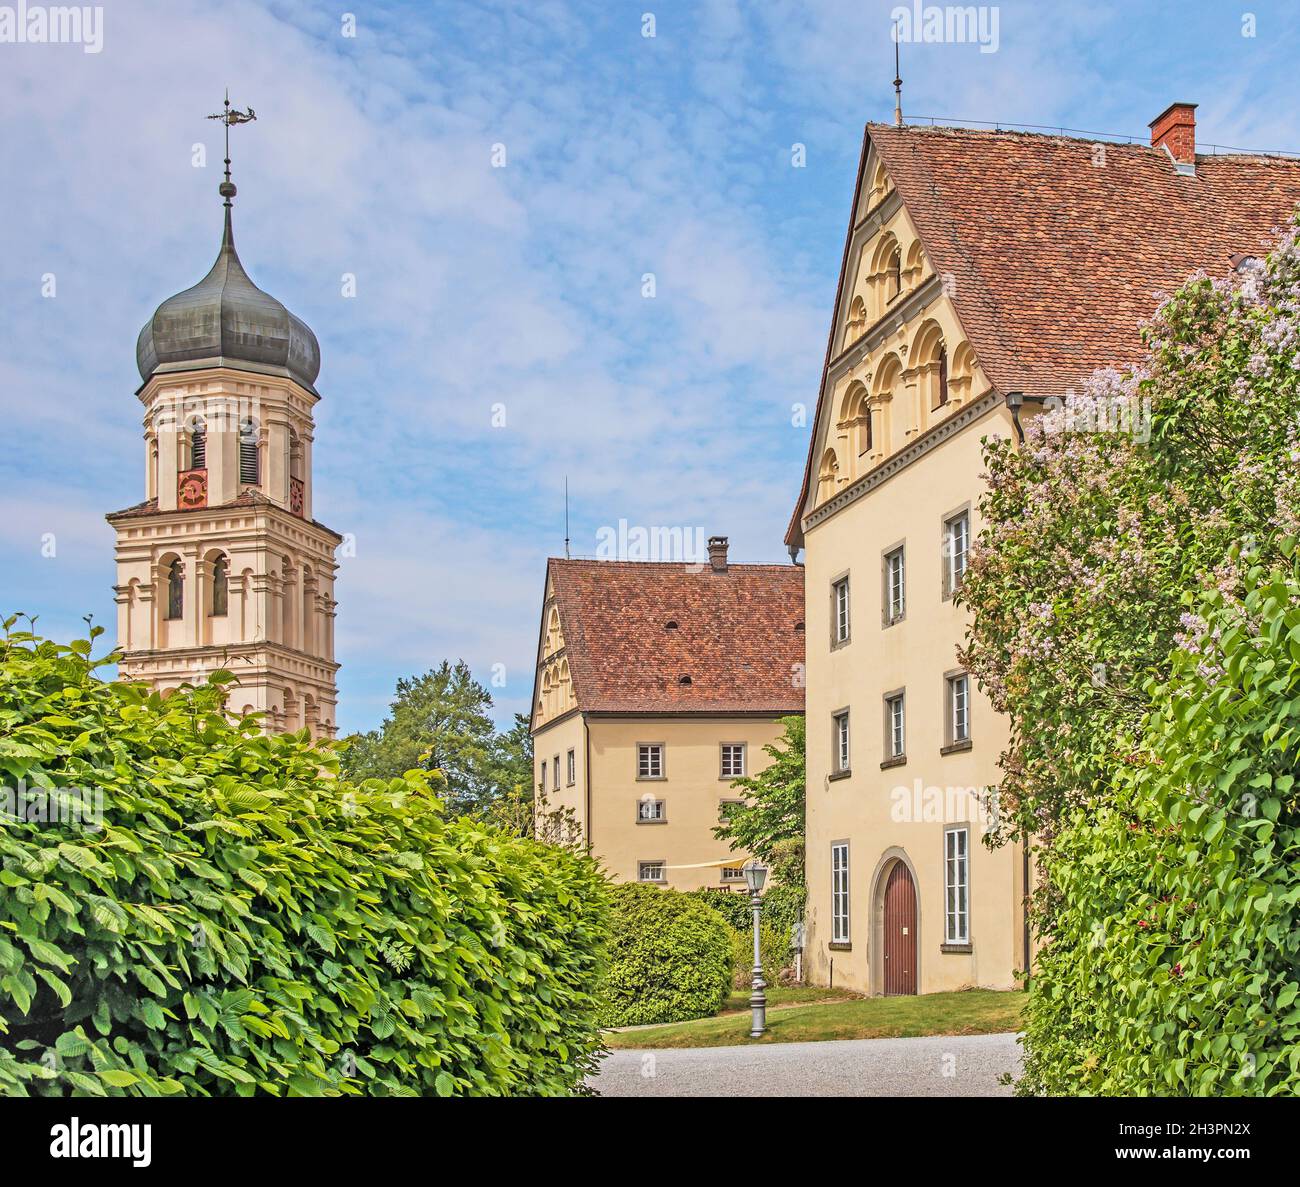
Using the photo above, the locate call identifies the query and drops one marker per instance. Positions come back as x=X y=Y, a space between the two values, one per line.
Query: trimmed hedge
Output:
x=241 y=923
x=774 y=934
x=670 y=957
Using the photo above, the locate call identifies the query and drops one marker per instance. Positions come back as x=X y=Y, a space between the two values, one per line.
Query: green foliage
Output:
x=771 y=814
x=1174 y=967
x=440 y=722
x=670 y=957
x=1122 y=621
x=241 y=922
x=773 y=936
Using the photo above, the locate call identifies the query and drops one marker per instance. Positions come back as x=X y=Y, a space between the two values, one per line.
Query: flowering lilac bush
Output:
x=1122 y=550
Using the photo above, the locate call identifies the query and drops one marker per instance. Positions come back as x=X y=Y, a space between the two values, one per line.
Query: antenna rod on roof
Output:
x=566 y=517
x=898 y=83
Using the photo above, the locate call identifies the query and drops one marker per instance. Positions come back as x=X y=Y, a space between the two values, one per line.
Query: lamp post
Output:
x=755 y=876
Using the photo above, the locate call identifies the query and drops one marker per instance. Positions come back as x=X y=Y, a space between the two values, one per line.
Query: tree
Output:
x=438 y=721
x=1127 y=502
x=1134 y=614
x=769 y=820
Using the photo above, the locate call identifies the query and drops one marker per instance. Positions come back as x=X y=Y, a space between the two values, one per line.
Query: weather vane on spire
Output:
x=231 y=116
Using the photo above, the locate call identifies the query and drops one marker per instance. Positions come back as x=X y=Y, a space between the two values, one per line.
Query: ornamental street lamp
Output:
x=755 y=876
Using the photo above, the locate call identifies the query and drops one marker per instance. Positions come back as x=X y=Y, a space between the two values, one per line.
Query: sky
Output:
x=596 y=241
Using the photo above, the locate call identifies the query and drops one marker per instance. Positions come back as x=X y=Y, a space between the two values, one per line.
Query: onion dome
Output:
x=227 y=321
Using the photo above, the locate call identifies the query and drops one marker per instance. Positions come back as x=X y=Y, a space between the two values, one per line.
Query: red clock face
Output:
x=192 y=490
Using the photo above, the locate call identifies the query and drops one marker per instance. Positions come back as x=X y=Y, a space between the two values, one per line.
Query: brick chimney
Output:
x=718 y=553
x=1175 y=129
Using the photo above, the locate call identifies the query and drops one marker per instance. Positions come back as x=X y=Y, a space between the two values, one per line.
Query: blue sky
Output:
x=518 y=286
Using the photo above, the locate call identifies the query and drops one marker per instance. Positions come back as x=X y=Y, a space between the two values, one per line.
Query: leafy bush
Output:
x=240 y=922
x=782 y=907
x=1174 y=967
x=670 y=957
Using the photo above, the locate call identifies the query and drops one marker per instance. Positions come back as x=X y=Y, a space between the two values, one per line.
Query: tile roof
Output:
x=1057 y=261
x=735 y=636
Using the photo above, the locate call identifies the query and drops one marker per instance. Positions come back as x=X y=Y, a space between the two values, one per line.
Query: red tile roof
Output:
x=1057 y=261
x=735 y=638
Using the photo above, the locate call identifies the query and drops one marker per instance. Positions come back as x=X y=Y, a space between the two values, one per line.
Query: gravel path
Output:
x=944 y=1065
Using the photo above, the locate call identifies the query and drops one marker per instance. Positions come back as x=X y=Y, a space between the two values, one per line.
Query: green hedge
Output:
x=670 y=957
x=782 y=906
x=1174 y=963
x=241 y=922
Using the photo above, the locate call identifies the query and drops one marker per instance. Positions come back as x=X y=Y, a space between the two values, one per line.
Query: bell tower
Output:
x=223 y=565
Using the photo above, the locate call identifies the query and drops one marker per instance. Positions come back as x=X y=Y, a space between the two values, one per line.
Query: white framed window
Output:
x=733 y=760
x=895 y=726
x=555 y=773
x=650 y=760
x=840 y=611
x=958 y=709
x=733 y=873
x=651 y=871
x=650 y=811
x=895 y=586
x=841 y=735
x=840 y=892
x=572 y=766
x=956 y=550
x=956 y=879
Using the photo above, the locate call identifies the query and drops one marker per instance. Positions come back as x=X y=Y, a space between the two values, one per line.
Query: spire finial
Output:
x=230 y=116
x=898 y=82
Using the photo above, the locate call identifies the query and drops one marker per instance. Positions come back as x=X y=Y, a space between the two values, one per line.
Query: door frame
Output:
x=879 y=879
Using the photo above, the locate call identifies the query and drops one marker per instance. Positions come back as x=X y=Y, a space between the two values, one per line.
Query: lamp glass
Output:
x=755 y=876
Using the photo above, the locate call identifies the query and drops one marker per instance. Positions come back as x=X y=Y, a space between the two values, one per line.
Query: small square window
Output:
x=733 y=873
x=650 y=761
x=651 y=871
x=650 y=811
x=733 y=760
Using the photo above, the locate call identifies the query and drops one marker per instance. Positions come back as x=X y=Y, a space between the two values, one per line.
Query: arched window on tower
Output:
x=943 y=376
x=295 y=455
x=175 y=590
x=250 y=470
x=220 y=586
x=894 y=275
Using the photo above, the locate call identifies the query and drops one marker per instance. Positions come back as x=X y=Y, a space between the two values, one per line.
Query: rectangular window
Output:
x=649 y=811
x=840 y=611
x=895 y=726
x=895 y=587
x=842 y=741
x=956 y=548
x=956 y=876
x=555 y=774
x=651 y=871
x=840 y=892
x=572 y=768
x=733 y=874
x=958 y=709
x=733 y=760
x=650 y=761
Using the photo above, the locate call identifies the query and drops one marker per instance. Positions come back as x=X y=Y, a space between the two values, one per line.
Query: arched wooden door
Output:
x=900 y=931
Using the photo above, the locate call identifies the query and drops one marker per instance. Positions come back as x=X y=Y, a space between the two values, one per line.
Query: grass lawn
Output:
x=807 y=1015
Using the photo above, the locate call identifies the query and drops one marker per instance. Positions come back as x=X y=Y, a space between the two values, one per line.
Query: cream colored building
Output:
x=658 y=684
x=976 y=265
x=222 y=564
